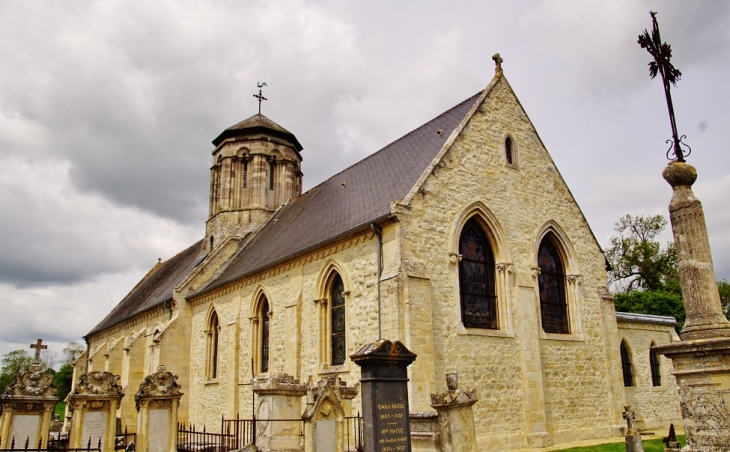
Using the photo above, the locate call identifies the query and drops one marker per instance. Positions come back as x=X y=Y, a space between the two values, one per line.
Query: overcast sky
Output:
x=108 y=109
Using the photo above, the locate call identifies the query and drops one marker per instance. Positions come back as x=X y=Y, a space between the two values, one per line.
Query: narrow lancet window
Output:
x=551 y=281
x=245 y=174
x=213 y=346
x=264 y=319
x=476 y=279
x=339 y=349
x=626 y=365
x=508 y=150
x=271 y=175
x=656 y=375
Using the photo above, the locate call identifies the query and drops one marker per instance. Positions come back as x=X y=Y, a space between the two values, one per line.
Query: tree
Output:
x=62 y=381
x=724 y=288
x=654 y=302
x=71 y=352
x=638 y=262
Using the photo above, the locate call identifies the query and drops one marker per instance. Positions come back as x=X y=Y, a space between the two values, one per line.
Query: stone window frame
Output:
x=627 y=360
x=503 y=268
x=512 y=150
x=261 y=295
x=323 y=302
x=573 y=282
x=212 y=345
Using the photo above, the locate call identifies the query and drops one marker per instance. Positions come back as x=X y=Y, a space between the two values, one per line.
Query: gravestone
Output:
x=328 y=402
x=456 y=419
x=279 y=397
x=157 y=402
x=633 y=438
x=384 y=377
x=670 y=441
x=93 y=403
x=28 y=404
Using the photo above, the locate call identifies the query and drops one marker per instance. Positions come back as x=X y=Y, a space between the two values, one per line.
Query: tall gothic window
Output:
x=656 y=375
x=626 y=365
x=476 y=278
x=213 y=329
x=339 y=349
x=264 y=319
x=551 y=281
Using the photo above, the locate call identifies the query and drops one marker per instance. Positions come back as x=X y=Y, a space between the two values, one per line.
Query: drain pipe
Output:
x=378 y=233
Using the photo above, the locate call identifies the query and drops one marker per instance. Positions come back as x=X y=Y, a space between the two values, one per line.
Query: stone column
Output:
x=28 y=404
x=456 y=417
x=94 y=403
x=702 y=359
x=384 y=376
x=279 y=398
x=157 y=402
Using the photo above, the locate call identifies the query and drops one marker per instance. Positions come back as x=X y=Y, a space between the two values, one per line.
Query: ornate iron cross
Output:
x=260 y=96
x=662 y=53
x=38 y=346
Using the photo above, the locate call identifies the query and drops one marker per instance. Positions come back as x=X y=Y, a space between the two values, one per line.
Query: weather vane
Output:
x=260 y=96
x=662 y=53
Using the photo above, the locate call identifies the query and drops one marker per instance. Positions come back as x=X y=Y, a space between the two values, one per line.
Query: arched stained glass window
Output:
x=626 y=365
x=264 y=319
x=339 y=346
x=476 y=279
x=656 y=375
x=551 y=281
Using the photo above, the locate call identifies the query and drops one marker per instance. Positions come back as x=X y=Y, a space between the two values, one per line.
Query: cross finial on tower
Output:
x=260 y=96
x=38 y=346
x=498 y=61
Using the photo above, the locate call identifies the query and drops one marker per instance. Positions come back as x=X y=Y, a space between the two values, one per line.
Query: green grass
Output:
x=60 y=409
x=654 y=445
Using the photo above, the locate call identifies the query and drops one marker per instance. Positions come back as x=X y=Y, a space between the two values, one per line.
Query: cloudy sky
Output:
x=108 y=109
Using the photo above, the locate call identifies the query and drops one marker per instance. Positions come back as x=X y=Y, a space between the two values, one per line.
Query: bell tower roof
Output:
x=256 y=124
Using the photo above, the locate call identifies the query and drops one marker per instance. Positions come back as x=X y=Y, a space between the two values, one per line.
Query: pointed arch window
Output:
x=264 y=322
x=338 y=320
x=626 y=365
x=508 y=154
x=477 y=278
x=551 y=282
x=656 y=375
x=271 y=174
x=212 y=361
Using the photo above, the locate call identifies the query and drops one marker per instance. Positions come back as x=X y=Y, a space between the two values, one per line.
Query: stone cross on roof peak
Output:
x=498 y=62
x=38 y=346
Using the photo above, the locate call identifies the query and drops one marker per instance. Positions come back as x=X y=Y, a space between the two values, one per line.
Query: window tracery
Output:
x=551 y=283
x=477 y=278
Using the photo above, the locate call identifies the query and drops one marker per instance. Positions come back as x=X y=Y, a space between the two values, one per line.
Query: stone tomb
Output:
x=386 y=420
x=28 y=404
x=94 y=402
x=157 y=402
x=279 y=398
x=328 y=402
x=455 y=415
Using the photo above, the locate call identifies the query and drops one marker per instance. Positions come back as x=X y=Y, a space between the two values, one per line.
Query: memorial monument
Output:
x=702 y=359
x=94 y=403
x=157 y=402
x=28 y=404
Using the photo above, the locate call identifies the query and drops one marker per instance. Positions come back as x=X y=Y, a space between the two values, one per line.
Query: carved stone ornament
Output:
x=33 y=383
x=281 y=384
x=327 y=387
x=454 y=397
x=160 y=385
x=98 y=382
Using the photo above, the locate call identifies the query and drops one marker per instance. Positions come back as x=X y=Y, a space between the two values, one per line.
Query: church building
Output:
x=460 y=239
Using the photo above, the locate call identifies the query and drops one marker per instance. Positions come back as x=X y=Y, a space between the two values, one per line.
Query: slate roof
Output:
x=257 y=123
x=154 y=289
x=348 y=200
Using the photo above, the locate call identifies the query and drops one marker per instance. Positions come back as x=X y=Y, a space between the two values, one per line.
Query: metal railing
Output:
x=190 y=439
x=53 y=445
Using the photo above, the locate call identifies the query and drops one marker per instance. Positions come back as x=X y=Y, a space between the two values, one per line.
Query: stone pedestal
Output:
x=456 y=417
x=328 y=402
x=384 y=377
x=702 y=359
x=279 y=398
x=94 y=403
x=28 y=404
x=634 y=443
x=157 y=402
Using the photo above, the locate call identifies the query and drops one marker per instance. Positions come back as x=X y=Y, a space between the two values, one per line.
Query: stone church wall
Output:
x=655 y=406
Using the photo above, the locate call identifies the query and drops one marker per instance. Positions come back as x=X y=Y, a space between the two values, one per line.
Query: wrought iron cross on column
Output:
x=662 y=53
x=38 y=346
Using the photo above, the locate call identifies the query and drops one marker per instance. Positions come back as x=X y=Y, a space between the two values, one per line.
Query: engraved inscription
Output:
x=392 y=427
x=25 y=427
x=94 y=427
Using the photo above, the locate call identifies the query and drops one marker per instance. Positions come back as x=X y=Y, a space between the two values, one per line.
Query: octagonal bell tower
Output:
x=256 y=168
